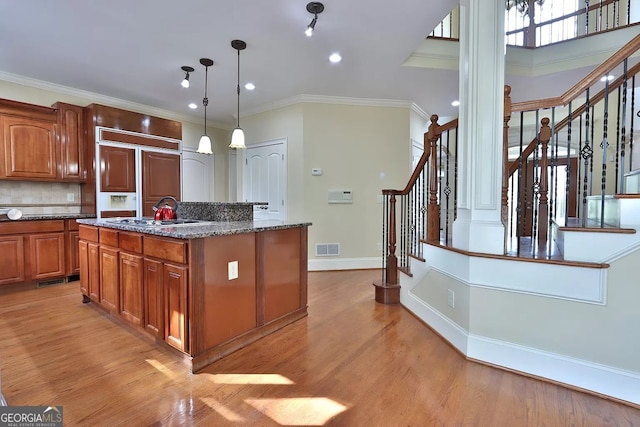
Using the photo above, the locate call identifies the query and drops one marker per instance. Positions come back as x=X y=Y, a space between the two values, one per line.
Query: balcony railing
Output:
x=552 y=22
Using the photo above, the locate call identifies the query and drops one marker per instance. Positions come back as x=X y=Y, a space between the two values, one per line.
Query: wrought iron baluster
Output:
x=567 y=169
x=587 y=153
x=623 y=131
x=604 y=145
x=522 y=195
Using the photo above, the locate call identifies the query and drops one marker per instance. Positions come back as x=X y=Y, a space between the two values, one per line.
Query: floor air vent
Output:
x=327 y=249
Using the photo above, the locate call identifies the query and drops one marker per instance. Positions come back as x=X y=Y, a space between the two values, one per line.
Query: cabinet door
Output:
x=93 y=276
x=175 y=304
x=47 y=255
x=131 y=277
x=12 y=259
x=117 y=169
x=109 y=278
x=160 y=178
x=71 y=131
x=29 y=148
x=72 y=256
x=83 y=261
x=153 y=298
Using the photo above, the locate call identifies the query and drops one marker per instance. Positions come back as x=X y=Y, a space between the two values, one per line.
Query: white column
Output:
x=478 y=227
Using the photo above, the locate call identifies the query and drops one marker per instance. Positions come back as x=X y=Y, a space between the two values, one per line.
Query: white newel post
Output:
x=478 y=227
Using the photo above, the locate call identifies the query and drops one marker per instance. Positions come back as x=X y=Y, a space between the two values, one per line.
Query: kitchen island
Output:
x=205 y=289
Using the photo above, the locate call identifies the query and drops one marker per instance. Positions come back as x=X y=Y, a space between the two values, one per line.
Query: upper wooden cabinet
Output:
x=41 y=143
x=71 y=164
x=117 y=169
x=29 y=147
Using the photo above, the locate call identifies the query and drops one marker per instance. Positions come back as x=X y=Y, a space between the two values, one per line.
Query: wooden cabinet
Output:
x=71 y=158
x=32 y=251
x=72 y=255
x=131 y=288
x=41 y=143
x=12 y=259
x=160 y=178
x=47 y=255
x=83 y=261
x=175 y=305
x=117 y=169
x=153 y=297
x=93 y=279
x=29 y=148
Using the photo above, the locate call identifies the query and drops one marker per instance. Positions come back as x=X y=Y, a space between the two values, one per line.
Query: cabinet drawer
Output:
x=109 y=237
x=35 y=226
x=88 y=233
x=130 y=242
x=170 y=250
x=72 y=225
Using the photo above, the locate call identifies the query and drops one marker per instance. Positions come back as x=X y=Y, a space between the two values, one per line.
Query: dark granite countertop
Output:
x=195 y=231
x=36 y=217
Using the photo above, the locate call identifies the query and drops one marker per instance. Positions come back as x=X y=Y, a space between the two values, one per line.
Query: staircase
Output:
x=561 y=302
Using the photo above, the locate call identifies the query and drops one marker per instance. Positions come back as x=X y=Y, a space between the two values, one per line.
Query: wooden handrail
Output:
x=614 y=60
x=433 y=127
x=513 y=167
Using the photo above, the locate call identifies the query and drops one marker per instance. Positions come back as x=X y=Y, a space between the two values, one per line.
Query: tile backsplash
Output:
x=40 y=197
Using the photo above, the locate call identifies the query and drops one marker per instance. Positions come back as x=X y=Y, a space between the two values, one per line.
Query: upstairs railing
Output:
x=563 y=157
x=538 y=25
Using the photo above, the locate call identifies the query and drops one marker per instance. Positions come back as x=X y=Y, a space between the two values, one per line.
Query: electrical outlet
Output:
x=380 y=199
x=71 y=197
x=232 y=269
x=451 y=298
x=379 y=246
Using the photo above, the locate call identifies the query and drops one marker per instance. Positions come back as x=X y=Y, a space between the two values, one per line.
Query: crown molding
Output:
x=419 y=111
x=334 y=100
x=103 y=99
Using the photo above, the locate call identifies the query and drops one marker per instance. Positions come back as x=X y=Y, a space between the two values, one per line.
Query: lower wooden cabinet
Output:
x=153 y=298
x=47 y=255
x=131 y=291
x=37 y=250
x=175 y=306
x=109 y=279
x=93 y=263
x=12 y=259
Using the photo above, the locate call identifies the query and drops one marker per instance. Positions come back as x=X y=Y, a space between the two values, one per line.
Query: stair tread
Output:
x=575 y=224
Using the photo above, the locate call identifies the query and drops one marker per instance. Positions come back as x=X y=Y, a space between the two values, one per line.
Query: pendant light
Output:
x=204 y=146
x=237 y=137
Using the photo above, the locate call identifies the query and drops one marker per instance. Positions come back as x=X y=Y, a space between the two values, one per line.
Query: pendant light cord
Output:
x=205 y=100
x=238 y=88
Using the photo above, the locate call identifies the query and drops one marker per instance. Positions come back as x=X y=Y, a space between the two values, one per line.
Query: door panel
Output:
x=160 y=178
x=265 y=180
x=197 y=173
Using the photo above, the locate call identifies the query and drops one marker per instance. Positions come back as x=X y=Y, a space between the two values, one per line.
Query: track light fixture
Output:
x=187 y=70
x=237 y=137
x=204 y=146
x=314 y=7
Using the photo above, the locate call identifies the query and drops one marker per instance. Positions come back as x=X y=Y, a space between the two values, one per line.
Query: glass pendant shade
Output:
x=204 y=146
x=237 y=138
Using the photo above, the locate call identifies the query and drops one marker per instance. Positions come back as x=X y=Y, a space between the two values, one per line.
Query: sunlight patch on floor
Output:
x=298 y=411
x=250 y=379
x=222 y=410
x=160 y=367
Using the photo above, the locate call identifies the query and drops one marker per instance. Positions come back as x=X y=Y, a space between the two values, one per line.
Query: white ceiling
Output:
x=133 y=50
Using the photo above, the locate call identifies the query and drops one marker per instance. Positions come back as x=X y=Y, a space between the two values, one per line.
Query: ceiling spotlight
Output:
x=204 y=146
x=606 y=78
x=335 y=58
x=455 y=103
x=315 y=8
x=185 y=81
x=193 y=106
x=249 y=86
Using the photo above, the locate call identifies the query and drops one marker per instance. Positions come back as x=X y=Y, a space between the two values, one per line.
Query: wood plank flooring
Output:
x=351 y=362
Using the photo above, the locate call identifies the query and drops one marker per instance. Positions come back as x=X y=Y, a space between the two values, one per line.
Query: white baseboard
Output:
x=317 y=264
x=583 y=374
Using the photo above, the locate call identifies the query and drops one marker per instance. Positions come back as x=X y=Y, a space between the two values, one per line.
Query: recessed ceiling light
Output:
x=249 y=86
x=455 y=103
x=193 y=106
x=607 y=77
x=335 y=58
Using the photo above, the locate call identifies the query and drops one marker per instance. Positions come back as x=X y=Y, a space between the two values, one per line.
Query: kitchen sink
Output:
x=150 y=222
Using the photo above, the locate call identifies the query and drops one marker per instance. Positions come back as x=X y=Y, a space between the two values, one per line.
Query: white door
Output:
x=264 y=179
x=197 y=173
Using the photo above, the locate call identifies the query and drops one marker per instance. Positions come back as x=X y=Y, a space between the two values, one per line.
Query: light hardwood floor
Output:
x=351 y=362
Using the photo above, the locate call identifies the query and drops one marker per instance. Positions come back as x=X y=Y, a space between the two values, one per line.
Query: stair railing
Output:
x=572 y=165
